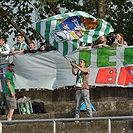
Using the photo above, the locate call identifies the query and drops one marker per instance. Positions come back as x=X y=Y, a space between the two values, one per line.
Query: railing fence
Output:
x=69 y=119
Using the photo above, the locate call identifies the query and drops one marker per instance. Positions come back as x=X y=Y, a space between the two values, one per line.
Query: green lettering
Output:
x=103 y=55
x=85 y=55
x=128 y=56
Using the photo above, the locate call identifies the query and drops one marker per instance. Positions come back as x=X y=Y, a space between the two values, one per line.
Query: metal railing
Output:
x=68 y=119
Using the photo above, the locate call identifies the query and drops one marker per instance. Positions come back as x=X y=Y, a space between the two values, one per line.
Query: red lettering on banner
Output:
x=125 y=76
x=106 y=76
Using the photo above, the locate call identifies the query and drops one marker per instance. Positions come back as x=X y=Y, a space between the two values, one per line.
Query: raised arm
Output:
x=73 y=70
x=79 y=68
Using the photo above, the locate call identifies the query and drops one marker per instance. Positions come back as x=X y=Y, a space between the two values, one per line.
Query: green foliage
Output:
x=21 y=13
x=25 y=12
x=120 y=15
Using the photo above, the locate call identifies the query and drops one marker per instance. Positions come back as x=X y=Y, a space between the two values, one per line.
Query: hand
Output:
x=42 y=48
x=13 y=94
x=116 y=43
x=21 y=51
x=80 y=47
x=99 y=45
x=73 y=64
x=12 y=52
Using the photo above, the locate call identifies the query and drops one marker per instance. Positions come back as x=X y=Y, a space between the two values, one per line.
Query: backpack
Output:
x=38 y=107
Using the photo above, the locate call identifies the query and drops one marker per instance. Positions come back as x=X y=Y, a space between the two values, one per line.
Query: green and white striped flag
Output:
x=66 y=32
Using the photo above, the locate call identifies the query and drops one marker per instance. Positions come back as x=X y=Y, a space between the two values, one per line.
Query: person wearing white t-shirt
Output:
x=4 y=48
x=4 y=51
x=19 y=47
x=82 y=87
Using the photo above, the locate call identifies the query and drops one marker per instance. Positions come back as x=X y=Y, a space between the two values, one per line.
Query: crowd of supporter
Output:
x=105 y=41
x=21 y=47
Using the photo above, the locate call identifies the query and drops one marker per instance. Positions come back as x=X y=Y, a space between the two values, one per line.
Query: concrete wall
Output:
x=108 y=101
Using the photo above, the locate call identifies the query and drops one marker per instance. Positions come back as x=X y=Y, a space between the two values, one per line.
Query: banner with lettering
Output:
x=108 y=66
x=50 y=70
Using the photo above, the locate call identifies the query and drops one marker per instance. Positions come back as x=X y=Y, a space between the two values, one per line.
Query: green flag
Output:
x=66 y=32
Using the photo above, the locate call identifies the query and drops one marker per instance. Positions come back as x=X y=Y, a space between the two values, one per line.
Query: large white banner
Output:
x=47 y=70
x=50 y=70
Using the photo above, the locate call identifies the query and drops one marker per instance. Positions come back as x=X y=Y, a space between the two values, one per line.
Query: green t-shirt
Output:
x=9 y=76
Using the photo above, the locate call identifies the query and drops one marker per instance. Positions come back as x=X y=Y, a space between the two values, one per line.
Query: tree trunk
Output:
x=53 y=7
x=9 y=19
x=101 y=8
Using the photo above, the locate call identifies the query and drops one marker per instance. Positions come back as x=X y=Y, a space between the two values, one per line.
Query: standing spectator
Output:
x=119 y=41
x=4 y=48
x=82 y=87
x=9 y=92
x=101 y=42
x=19 y=47
x=31 y=49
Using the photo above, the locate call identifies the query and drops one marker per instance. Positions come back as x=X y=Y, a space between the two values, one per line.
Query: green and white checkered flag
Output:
x=66 y=32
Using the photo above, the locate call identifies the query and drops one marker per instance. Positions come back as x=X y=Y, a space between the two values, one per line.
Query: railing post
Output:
x=0 y=127
x=109 y=126
x=123 y=130
x=54 y=127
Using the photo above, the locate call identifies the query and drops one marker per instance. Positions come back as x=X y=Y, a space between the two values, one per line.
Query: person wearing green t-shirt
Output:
x=9 y=92
x=19 y=47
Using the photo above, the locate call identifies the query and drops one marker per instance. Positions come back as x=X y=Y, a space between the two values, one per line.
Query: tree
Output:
x=118 y=13
x=9 y=19
x=18 y=14
x=101 y=8
x=13 y=14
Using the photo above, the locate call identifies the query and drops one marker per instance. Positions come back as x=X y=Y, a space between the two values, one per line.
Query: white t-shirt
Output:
x=79 y=79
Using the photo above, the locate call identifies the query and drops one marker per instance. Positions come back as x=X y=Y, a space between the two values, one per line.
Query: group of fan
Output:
x=20 y=46
x=103 y=41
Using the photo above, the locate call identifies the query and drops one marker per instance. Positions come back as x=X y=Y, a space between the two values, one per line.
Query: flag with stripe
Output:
x=66 y=32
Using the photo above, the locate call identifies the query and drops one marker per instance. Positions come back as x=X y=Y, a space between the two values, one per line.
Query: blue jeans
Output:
x=83 y=94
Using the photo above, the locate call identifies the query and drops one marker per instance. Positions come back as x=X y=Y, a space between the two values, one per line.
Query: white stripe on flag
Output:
x=43 y=27
x=71 y=14
x=60 y=47
x=81 y=39
x=78 y=43
x=85 y=15
x=52 y=28
x=90 y=36
x=70 y=46
x=58 y=17
x=74 y=14
x=111 y=29
x=104 y=25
